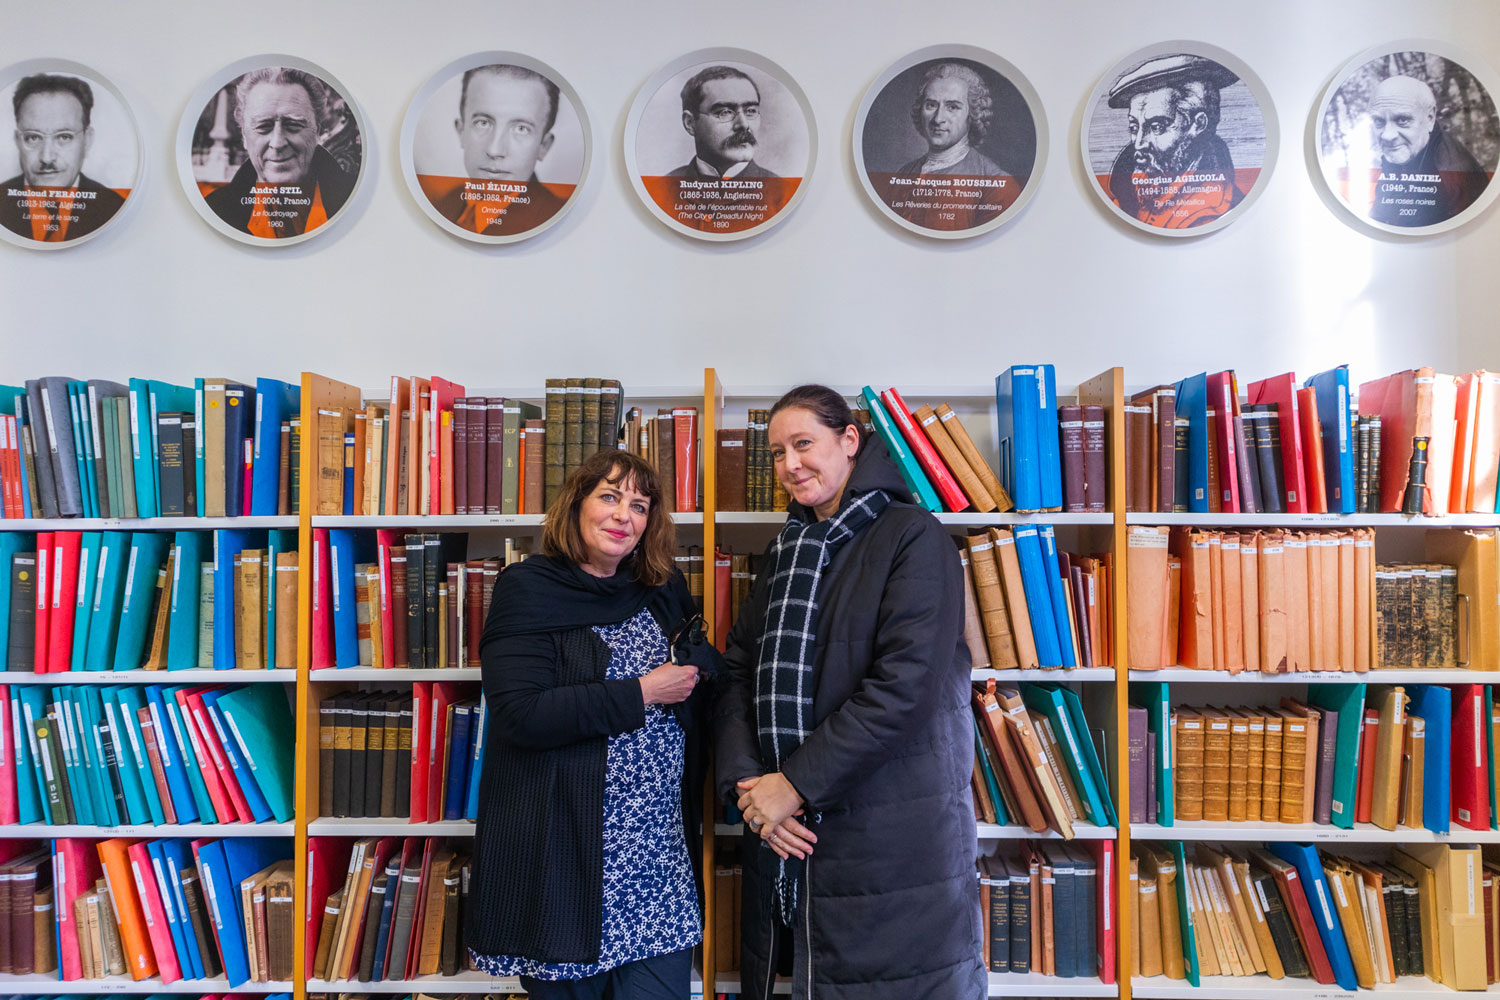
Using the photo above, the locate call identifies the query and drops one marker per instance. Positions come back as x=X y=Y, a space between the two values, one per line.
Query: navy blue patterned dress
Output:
x=650 y=903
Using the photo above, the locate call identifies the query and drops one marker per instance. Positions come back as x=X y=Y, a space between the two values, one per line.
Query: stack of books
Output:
x=669 y=443
x=1045 y=911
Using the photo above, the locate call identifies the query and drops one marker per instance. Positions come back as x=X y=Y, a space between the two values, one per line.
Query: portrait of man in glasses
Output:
x=52 y=200
x=721 y=111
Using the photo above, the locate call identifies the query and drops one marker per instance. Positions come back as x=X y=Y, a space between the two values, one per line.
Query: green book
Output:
x=86 y=709
x=52 y=770
x=906 y=462
x=111 y=504
x=1348 y=700
x=1185 y=914
x=1155 y=697
x=80 y=803
x=109 y=591
x=88 y=578
x=278 y=540
x=261 y=724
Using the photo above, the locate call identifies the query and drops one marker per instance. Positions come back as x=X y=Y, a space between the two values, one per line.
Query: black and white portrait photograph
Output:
x=1408 y=138
x=720 y=143
x=273 y=153
x=495 y=146
x=949 y=141
x=74 y=155
x=1179 y=138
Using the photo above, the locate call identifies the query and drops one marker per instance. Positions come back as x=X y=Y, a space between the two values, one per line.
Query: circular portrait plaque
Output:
x=1407 y=138
x=720 y=144
x=1179 y=138
x=271 y=150
x=950 y=141
x=75 y=155
x=495 y=146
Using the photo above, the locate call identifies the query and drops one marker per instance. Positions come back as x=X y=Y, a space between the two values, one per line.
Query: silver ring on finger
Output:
x=754 y=826
x=775 y=837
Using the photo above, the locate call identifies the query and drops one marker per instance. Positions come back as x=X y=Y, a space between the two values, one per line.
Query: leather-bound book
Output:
x=328 y=716
x=1015 y=595
x=1294 y=751
x=372 y=911
x=573 y=425
x=663 y=447
x=1038 y=770
x=44 y=951
x=534 y=500
x=1162 y=400
x=1014 y=777
x=414 y=583
x=972 y=456
x=937 y=434
x=998 y=637
x=979 y=654
x=448 y=961
x=1188 y=730
x=1136 y=749
x=286 y=610
x=343 y=764
x=403 y=760
x=555 y=461
x=1238 y=765
x=375 y=779
x=514 y=414
x=250 y=609
x=1138 y=459
x=588 y=429
x=731 y=470
x=1070 y=430
x=1095 y=476
x=611 y=398
x=332 y=909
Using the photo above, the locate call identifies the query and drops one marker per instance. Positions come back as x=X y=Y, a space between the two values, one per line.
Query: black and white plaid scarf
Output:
x=784 y=681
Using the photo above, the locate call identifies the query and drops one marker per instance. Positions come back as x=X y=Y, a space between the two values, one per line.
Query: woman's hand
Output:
x=669 y=684
x=768 y=801
x=789 y=838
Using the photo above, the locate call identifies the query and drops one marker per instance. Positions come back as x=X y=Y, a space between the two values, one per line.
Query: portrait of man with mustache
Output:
x=721 y=111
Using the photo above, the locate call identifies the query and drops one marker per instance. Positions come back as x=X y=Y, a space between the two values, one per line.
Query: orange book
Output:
x=1415 y=403
x=1147 y=584
x=1466 y=415
x=1232 y=624
x=1347 y=614
x=1312 y=451
x=1174 y=610
x=361 y=430
x=685 y=457
x=1298 y=633
x=1216 y=596
x=1250 y=598
x=140 y=960
x=1195 y=641
x=1271 y=572
x=1485 y=466
x=1364 y=603
x=395 y=429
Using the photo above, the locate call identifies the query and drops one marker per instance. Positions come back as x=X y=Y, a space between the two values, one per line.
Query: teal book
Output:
x=109 y=591
x=1077 y=749
x=148 y=551
x=1348 y=700
x=260 y=723
x=137 y=812
x=1089 y=752
x=11 y=542
x=88 y=573
x=1155 y=697
x=1184 y=915
x=142 y=447
x=31 y=700
x=886 y=429
x=82 y=449
x=101 y=786
x=79 y=803
x=182 y=741
x=278 y=540
x=991 y=783
x=182 y=622
x=131 y=700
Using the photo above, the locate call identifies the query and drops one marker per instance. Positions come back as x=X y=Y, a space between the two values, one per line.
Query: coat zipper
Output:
x=807 y=923
x=770 y=966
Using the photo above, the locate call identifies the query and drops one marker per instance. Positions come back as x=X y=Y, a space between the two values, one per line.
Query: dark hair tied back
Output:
x=830 y=409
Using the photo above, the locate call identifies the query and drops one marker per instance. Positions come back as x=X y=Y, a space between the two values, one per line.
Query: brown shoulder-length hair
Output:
x=653 y=559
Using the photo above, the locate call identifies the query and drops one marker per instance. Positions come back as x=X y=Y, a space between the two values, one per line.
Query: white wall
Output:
x=836 y=293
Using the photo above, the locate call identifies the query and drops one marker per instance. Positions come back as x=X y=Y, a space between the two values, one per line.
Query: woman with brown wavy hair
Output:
x=583 y=877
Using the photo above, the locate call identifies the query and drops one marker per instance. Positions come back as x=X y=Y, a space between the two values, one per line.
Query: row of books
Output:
x=1290 y=911
x=734 y=572
x=172 y=908
x=1045 y=911
x=669 y=443
x=385 y=754
x=1421 y=757
x=121 y=600
x=1029 y=604
x=745 y=475
x=1417 y=441
x=116 y=755
x=73 y=448
x=384 y=908
x=1037 y=760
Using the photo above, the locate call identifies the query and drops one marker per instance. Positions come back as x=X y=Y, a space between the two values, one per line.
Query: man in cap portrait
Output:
x=1427 y=176
x=1176 y=172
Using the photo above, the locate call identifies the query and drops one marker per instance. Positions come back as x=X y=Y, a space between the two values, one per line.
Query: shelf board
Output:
x=382 y=394
x=46 y=984
x=956 y=520
x=151 y=677
x=389 y=674
x=466 y=980
x=1318 y=520
x=1259 y=987
x=143 y=523
x=1363 y=833
x=356 y=827
x=44 y=831
x=1000 y=985
x=1187 y=675
x=937 y=393
x=1056 y=674
x=430 y=522
x=987 y=831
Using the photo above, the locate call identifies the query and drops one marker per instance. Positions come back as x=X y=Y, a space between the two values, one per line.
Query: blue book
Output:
x=1332 y=389
x=481 y=728
x=278 y=540
x=460 y=750
x=275 y=401
x=30 y=701
x=254 y=797
x=1038 y=595
x=170 y=908
x=243 y=857
x=131 y=700
x=11 y=542
x=341 y=570
x=148 y=552
x=906 y=463
x=172 y=766
x=80 y=801
x=239 y=424
x=1192 y=405
x=228 y=543
x=1435 y=706
x=191 y=549
x=348 y=500
x=182 y=745
x=137 y=812
x=222 y=895
x=1017 y=410
x=109 y=595
x=88 y=578
x=387 y=908
x=105 y=806
x=1047 y=438
x=1320 y=901
x=1059 y=597
x=177 y=857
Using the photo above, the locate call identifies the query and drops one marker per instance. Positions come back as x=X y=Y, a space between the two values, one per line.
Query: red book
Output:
x=1222 y=397
x=1312 y=451
x=223 y=808
x=157 y=928
x=421 y=707
x=685 y=457
x=230 y=803
x=327 y=864
x=942 y=480
x=368 y=921
x=9 y=809
x=1104 y=932
x=322 y=602
x=10 y=466
x=1295 y=900
x=1470 y=772
x=389 y=545
x=64 y=598
x=43 y=601
x=1282 y=390
x=443 y=395
x=1367 y=740
x=75 y=870
x=521 y=471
